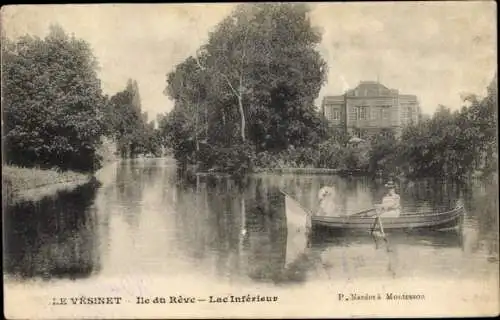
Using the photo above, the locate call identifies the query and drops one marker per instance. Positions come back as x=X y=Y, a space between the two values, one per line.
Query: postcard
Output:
x=250 y=160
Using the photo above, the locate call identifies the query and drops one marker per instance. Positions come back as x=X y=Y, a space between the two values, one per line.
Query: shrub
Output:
x=235 y=160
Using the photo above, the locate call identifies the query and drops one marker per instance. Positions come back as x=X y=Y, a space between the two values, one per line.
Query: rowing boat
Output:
x=365 y=220
x=325 y=238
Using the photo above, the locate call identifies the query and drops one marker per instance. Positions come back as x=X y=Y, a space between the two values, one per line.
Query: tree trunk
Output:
x=206 y=123
x=196 y=129
x=242 y=114
x=242 y=111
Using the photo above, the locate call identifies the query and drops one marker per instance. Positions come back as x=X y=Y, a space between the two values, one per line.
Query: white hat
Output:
x=390 y=184
x=324 y=192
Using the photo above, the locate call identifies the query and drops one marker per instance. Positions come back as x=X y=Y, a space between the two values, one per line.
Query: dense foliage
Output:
x=52 y=102
x=453 y=144
x=383 y=153
x=326 y=155
x=128 y=125
x=253 y=83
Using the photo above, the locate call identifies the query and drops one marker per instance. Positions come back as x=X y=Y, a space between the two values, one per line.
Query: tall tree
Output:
x=255 y=80
x=128 y=121
x=187 y=85
x=262 y=58
x=52 y=101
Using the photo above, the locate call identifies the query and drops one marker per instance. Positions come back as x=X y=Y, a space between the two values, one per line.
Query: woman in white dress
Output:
x=327 y=203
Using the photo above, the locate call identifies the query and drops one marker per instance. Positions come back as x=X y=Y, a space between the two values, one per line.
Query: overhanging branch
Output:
x=222 y=74
x=230 y=85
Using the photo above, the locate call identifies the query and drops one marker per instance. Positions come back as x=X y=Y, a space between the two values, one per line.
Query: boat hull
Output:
x=434 y=221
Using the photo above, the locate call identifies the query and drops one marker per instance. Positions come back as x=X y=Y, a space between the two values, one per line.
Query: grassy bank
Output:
x=20 y=182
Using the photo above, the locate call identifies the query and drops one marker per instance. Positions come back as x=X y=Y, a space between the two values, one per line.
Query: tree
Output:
x=383 y=152
x=187 y=86
x=264 y=55
x=128 y=122
x=254 y=81
x=481 y=126
x=52 y=102
x=453 y=143
x=177 y=131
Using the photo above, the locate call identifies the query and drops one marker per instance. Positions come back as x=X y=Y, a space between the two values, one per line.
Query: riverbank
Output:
x=284 y=170
x=298 y=170
x=33 y=183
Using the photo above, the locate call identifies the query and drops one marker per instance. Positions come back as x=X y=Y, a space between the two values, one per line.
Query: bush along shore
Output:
x=32 y=183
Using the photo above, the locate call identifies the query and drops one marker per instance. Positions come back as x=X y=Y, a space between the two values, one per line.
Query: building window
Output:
x=380 y=114
x=410 y=113
x=361 y=113
x=336 y=114
x=384 y=113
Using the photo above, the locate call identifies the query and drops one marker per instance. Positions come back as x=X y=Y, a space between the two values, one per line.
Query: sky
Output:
x=435 y=50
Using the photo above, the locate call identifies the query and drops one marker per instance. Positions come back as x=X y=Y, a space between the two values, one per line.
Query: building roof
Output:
x=370 y=89
x=408 y=97
x=333 y=99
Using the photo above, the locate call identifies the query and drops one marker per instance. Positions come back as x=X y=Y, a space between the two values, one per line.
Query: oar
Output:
x=378 y=221
x=362 y=212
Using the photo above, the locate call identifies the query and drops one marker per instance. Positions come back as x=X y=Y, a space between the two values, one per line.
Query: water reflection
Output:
x=481 y=201
x=53 y=237
x=152 y=219
x=362 y=255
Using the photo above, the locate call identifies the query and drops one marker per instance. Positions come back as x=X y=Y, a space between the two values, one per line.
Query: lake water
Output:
x=146 y=219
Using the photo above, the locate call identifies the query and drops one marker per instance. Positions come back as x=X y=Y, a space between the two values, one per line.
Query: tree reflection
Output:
x=53 y=237
x=132 y=178
x=482 y=204
x=266 y=233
